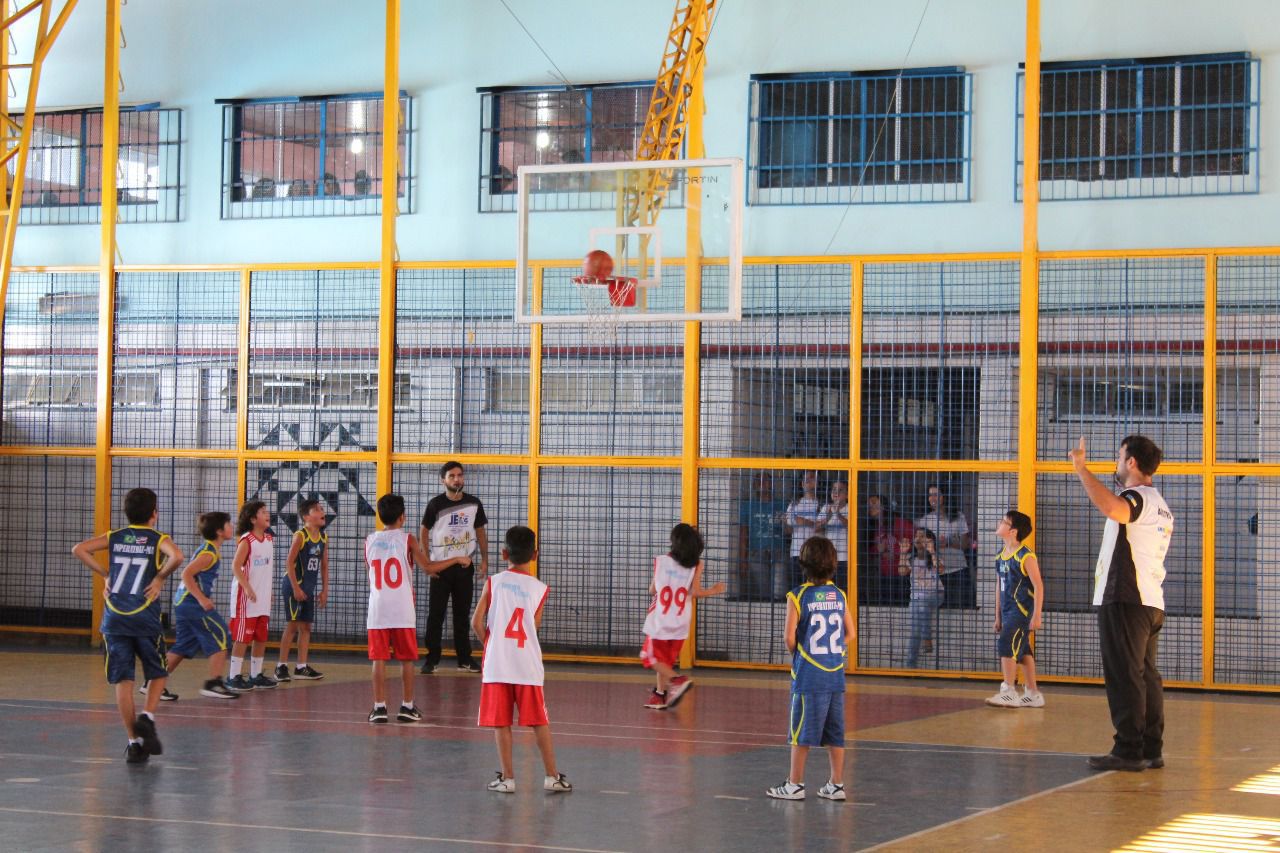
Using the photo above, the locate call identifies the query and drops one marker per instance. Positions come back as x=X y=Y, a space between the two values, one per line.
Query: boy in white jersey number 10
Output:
x=677 y=580
x=506 y=620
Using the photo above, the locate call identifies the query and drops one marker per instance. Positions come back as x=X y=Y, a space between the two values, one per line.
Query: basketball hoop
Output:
x=605 y=300
x=621 y=290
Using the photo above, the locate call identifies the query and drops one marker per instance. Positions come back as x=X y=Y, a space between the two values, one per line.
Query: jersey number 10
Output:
x=392 y=577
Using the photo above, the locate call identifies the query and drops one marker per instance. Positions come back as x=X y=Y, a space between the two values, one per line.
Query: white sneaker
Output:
x=1006 y=698
x=832 y=791
x=1029 y=699
x=557 y=784
x=502 y=785
x=787 y=791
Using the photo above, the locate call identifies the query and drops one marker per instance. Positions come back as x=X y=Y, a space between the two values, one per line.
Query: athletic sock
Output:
x=382 y=705
x=237 y=664
x=255 y=667
x=150 y=716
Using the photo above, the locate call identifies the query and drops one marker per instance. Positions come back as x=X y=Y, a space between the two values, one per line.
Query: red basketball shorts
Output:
x=249 y=629
x=393 y=644
x=497 y=701
x=660 y=651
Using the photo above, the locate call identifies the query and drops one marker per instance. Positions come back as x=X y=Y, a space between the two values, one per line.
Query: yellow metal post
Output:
x=106 y=289
x=856 y=285
x=387 y=258
x=242 y=385
x=535 y=407
x=1209 y=456
x=1029 y=301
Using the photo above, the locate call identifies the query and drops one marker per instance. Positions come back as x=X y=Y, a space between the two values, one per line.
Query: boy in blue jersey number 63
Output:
x=1019 y=614
x=139 y=560
x=816 y=632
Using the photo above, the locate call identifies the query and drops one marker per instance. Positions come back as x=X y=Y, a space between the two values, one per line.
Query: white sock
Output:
x=237 y=664
x=380 y=705
x=136 y=740
x=255 y=667
x=301 y=665
x=1004 y=687
x=150 y=716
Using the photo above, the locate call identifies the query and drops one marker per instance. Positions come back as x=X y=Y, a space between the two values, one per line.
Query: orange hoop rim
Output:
x=606 y=281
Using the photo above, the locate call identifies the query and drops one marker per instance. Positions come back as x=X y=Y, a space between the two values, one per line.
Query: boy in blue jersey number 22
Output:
x=818 y=623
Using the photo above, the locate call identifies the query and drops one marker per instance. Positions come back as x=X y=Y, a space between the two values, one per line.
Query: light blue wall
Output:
x=186 y=54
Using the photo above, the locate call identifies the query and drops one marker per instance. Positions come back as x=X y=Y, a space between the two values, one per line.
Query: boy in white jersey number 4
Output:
x=677 y=580
x=392 y=627
x=506 y=620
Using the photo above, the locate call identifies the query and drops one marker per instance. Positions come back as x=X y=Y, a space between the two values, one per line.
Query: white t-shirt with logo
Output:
x=1130 y=565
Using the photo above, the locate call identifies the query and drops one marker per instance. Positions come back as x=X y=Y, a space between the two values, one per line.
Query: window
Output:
x=309 y=156
x=286 y=390
x=851 y=138
x=585 y=124
x=587 y=392
x=52 y=388
x=1146 y=127
x=63 y=179
x=1148 y=394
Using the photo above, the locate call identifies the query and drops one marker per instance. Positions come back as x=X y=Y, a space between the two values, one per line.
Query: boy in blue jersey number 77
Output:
x=818 y=624
x=139 y=560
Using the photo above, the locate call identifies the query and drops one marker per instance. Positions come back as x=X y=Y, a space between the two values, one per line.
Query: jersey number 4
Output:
x=393 y=575
x=820 y=643
x=515 y=628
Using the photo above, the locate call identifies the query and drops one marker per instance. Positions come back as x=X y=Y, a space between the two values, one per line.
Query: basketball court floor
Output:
x=929 y=767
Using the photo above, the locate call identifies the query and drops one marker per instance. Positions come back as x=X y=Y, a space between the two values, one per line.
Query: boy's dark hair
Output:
x=244 y=522
x=818 y=559
x=1143 y=451
x=1020 y=522
x=210 y=523
x=139 y=505
x=521 y=544
x=307 y=504
x=390 y=508
x=686 y=545
x=449 y=466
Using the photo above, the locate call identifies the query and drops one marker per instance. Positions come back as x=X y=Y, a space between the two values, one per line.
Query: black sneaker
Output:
x=240 y=684
x=145 y=728
x=469 y=666
x=306 y=673
x=282 y=673
x=1110 y=761
x=135 y=754
x=262 y=681
x=215 y=689
x=409 y=714
x=427 y=668
x=378 y=715
x=165 y=695
x=1156 y=763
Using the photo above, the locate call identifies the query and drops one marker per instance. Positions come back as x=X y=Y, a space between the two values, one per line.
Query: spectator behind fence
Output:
x=802 y=521
x=881 y=583
x=952 y=531
x=762 y=544
x=833 y=523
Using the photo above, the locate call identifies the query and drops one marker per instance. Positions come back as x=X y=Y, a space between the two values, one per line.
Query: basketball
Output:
x=597 y=264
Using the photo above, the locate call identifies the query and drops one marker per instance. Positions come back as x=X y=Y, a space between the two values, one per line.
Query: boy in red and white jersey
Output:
x=677 y=579
x=252 y=567
x=506 y=620
x=393 y=633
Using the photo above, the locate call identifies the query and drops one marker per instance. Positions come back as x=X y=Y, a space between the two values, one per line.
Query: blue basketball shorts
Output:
x=817 y=719
x=205 y=634
x=122 y=650
x=1016 y=639
x=294 y=610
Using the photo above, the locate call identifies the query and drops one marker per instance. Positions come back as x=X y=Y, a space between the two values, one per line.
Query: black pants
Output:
x=1129 y=635
x=453 y=584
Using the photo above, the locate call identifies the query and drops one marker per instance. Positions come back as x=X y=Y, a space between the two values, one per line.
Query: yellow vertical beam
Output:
x=242 y=385
x=1209 y=455
x=856 y=285
x=106 y=287
x=1029 y=281
x=535 y=408
x=387 y=258
x=692 y=393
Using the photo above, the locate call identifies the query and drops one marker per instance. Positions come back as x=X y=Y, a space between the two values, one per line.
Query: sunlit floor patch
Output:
x=1211 y=832
x=1263 y=783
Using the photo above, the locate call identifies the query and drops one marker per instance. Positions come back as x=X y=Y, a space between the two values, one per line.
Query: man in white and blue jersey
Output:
x=139 y=559
x=199 y=628
x=817 y=627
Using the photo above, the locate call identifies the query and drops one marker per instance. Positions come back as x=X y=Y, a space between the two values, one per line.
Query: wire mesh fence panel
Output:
x=313 y=369
x=940 y=356
x=346 y=491
x=1248 y=360
x=46 y=507
x=776 y=384
x=612 y=390
x=753 y=521
x=1121 y=352
x=1068 y=538
x=175 y=352
x=1246 y=581
x=185 y=488
x=462 y=366
x=503 y=491
x=50 y=359
x=931 y=606
x=599 y=530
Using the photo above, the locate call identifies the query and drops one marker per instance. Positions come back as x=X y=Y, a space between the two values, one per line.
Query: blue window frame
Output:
x=860 y=137
x=310 y=156
x=598 y=123
x=1146 y=127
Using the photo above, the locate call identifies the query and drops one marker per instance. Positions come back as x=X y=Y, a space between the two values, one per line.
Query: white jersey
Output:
x=512 y=654
x=390 y=569
x=671 y=610
x=1131 y=561
x=259 y=569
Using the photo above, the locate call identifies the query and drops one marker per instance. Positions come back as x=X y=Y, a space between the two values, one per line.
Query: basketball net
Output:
x=603 y=301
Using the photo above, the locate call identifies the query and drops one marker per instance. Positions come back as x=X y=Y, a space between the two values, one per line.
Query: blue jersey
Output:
x=818 y=663
x=134 y=556
x=1017 y=595
x=306 y=568
x=184 y=602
